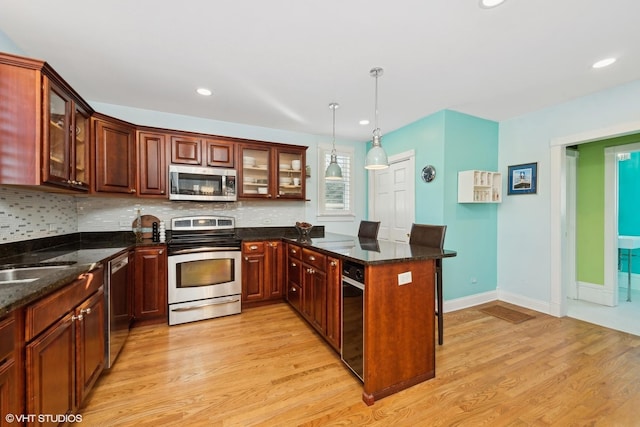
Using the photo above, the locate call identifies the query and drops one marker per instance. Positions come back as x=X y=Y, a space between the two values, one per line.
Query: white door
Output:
x=392 y=197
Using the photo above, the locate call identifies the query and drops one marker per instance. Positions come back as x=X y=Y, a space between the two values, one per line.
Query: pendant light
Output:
x=376 y=157
x=333 y=171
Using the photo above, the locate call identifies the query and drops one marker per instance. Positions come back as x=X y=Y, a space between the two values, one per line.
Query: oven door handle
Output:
x=203 y=249
x=195 y=307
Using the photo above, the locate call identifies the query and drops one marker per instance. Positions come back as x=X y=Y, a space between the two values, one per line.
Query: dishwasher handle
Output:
x=118 y=263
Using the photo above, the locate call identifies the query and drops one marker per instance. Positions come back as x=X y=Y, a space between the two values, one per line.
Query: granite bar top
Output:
x=370 y=251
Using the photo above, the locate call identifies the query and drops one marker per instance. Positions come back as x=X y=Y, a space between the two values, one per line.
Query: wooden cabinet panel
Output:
x=219 y=153
x=115 y=156
x=186 y=150
x=44 y=127
x=41 y=314
x=90 y=345
x=274 y=269
x=314 y=282
x=334 y=288
x=150 y=284
x=50 y=362
x=11 y=377
x=152 y=164
x=263 y=272
x=253 y=277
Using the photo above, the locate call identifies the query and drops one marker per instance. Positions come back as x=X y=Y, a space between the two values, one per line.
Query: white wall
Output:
x=528 y=240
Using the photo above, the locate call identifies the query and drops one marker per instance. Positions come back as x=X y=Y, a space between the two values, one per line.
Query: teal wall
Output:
x=453 y=142
x=629 y=205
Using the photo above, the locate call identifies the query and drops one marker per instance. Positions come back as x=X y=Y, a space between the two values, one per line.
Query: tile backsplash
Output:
x=27 y=214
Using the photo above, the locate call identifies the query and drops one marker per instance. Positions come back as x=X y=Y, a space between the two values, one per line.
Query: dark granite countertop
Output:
x=370 y=251
x=85 y=251
x=79 y=261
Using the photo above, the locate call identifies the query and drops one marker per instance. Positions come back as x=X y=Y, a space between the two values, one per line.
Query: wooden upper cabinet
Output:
x=190 y=149
x=66 y=139
x=115 y=155
x=152 y=164
x=186 y=150
x=271 y=171
x=219 y=153
x=44 y=127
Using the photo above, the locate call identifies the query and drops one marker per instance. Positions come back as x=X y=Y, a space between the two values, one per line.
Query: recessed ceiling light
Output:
x=364 y=122
x=604 y=63
x=488 y=4
x=204 y=92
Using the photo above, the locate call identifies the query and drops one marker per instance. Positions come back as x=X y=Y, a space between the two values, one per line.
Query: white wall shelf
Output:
x=475 y=186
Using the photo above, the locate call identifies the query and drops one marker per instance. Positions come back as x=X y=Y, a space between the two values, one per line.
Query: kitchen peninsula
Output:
x=398 y=310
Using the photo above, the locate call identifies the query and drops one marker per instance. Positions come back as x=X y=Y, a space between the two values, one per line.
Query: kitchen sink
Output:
x=29 y=274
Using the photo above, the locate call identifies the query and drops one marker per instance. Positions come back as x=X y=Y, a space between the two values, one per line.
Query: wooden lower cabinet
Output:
x=11 y=368
x=313 y=289
x=262 y=272
x=64 y=356
x=150 y=303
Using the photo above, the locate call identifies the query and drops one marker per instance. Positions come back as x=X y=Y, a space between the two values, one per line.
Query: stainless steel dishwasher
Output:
x=119 y=312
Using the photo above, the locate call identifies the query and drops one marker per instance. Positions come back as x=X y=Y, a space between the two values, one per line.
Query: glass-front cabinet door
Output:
x=80 y=174
x=255 y=172
x=57 y=170
x=66 y=142
x=291 y=174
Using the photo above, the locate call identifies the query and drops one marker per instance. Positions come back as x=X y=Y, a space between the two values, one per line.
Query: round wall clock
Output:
x=428 y=173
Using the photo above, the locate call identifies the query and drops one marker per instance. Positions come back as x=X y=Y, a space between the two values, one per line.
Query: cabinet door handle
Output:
x=253 y=247
x=246 y=258
x=293 y=264
x=78 y=317
x=86 y=311
x=293 y=251
x=333 y=263
x=133 y=190
x=160 y=251
x=312 y=258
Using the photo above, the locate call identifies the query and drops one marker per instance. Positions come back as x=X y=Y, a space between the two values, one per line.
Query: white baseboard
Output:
x=530 y=303
x=468 y=301
x=597 y=294
x=477 y=299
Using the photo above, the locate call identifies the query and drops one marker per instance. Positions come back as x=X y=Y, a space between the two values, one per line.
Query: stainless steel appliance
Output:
x=119 y=307
x=202 y=183
x=205 y=274
x=353 y=280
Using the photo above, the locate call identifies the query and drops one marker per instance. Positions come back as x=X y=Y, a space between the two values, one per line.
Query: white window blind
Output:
x=336 y=198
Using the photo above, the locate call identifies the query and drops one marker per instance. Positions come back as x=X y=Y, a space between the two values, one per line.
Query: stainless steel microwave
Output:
x=202 y=184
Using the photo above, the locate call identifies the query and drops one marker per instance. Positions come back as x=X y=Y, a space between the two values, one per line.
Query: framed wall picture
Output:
x=523 y=179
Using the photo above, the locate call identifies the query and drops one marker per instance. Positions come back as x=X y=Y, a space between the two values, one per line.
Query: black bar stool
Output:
x=432 y=236
x=369 y=229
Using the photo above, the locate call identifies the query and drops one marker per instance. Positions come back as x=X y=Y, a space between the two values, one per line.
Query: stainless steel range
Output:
x=205 y=274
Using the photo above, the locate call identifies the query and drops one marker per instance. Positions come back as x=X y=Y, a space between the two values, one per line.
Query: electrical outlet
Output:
x=404 y=278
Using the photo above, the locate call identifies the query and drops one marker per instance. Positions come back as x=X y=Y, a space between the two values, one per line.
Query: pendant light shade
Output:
x=333 y=171
x=376 y=157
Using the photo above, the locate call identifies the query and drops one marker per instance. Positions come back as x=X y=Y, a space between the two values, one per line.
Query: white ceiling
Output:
x=279 y=63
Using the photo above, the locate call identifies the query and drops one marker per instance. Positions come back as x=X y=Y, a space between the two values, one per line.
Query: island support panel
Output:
x=399 y=327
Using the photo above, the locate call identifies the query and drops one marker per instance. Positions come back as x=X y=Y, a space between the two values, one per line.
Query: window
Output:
x=335 y=197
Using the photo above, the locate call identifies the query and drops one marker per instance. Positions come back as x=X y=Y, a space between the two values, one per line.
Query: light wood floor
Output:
x=267 y=367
